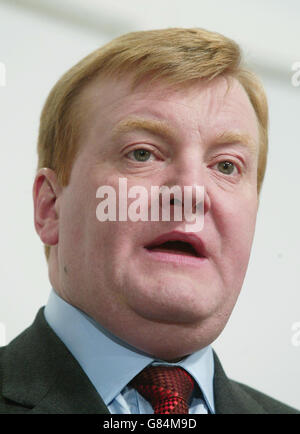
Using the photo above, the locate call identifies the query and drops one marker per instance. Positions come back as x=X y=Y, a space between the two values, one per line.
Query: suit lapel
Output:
x=42 y=375
x=230 y=398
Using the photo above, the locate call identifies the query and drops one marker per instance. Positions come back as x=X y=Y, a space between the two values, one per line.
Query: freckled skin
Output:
x=166 y=310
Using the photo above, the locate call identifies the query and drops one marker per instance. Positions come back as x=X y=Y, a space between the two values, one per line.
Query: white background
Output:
x=40 y=40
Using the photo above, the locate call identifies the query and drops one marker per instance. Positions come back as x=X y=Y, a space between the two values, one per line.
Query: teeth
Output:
x=176 y=247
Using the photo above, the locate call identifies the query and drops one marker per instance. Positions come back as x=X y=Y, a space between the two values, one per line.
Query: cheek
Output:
x=71 y=235
x=77 y=215
x=240 y=250
x=236 y=227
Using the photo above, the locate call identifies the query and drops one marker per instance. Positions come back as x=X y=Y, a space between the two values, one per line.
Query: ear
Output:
x=46 y=191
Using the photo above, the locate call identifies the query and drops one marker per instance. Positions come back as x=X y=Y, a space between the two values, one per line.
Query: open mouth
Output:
x=175 y=247
x=181 y=248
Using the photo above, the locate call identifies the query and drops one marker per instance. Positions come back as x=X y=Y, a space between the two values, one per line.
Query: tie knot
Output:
x=168 y=389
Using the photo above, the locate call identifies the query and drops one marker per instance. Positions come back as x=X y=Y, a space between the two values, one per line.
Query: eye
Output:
x=141 y=154
x=226 y=167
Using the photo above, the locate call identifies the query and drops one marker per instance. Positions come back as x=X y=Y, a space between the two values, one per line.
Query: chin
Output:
x=175 y=304
x=173 y=342
x=178 y=352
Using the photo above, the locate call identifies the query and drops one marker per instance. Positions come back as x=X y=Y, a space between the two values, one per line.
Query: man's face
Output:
x=163 y=307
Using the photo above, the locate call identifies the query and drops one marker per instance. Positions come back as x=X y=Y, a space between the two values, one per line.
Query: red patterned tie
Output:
x=168 y=389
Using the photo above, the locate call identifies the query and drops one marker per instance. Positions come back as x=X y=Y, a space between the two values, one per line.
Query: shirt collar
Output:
x=109 y=362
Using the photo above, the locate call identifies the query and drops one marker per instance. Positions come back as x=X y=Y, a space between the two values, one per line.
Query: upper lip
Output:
x=187 y=237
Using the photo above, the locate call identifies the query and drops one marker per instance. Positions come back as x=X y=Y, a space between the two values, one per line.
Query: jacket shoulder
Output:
x=7 y=406
x=232 y=397
x=268 y=403
x=38 y=374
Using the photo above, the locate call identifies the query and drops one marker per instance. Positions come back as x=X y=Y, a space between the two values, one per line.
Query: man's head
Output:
x=181 y=96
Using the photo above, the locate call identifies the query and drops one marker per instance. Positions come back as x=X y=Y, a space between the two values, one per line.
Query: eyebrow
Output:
x=231 y=137
x=161 y=128
x=157 y=127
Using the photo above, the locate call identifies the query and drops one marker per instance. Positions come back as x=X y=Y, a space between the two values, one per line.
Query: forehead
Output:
x=220 y=104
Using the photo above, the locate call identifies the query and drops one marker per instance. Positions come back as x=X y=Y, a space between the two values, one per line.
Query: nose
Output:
x=190 y=177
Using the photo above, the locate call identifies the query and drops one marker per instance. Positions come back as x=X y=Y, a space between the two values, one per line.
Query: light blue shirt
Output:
x=111 y=364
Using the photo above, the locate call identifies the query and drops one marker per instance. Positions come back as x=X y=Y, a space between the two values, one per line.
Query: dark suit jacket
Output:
x=39 y=375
